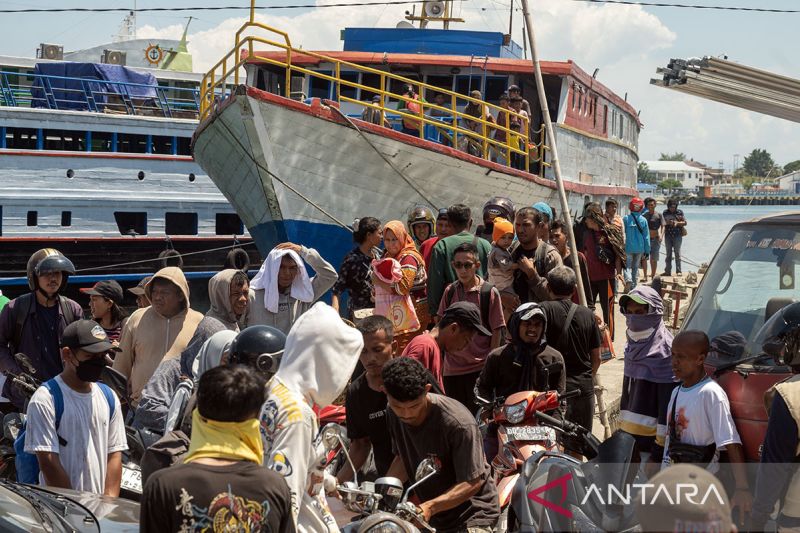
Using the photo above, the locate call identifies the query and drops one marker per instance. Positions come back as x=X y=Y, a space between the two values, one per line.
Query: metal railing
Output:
x=20 y=89
x=474 y=134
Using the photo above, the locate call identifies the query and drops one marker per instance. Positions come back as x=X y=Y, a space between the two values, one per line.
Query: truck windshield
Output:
x=752 y=276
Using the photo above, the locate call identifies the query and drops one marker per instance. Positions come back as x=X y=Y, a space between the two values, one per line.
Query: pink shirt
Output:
x=424 y=349
x=472 y=358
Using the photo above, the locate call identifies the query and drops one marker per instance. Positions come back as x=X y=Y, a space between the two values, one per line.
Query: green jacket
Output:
x=440 y=271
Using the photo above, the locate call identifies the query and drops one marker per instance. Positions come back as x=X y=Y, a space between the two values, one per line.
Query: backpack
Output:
x=26 y=463
x=485 y=297
x=22 y=308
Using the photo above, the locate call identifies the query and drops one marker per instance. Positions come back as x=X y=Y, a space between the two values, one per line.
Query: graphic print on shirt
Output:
x=269 y=415
x=279 y=463
x=681 y=422
x=226 y=512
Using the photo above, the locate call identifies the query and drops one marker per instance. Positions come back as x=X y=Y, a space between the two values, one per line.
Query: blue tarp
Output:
x=71 y=93
x=429 y=41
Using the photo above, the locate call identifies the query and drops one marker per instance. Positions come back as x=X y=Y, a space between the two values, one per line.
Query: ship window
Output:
x=33 y=218
x=162 y=145
x=21 y=138
x=443 y=82
x=180 y=223
x=66 y=218
x=495 y=86
x=131 y=222
x=102 y=141
x=320 y=87
x=465 y=84
x=605 y=119
x=74 y=141
x=184 y=146
x=348 y=91
x=132 y=144
x=369 y=80
x=229 y=224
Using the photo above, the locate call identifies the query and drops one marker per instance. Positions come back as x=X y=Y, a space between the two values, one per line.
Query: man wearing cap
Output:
x=462 y=496
x=513 y=91
x=105 y=299
x=82 y=448
x=142 y=300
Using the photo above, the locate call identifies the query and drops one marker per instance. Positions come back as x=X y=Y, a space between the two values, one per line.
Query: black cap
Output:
x=86 y=335
x=466 y=314
x=139 y=289
x=107 y=289
x=513 y=88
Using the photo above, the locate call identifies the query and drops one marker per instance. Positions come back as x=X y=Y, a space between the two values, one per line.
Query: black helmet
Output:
x=780 y=335
x=499 y=206
x=48 y=260
x=260 y=347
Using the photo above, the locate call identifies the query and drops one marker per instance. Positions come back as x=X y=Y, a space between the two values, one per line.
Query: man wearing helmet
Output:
x=498 y=206
x=782 y=440
x=637 y=241
x=33 y=323
x=421 y=224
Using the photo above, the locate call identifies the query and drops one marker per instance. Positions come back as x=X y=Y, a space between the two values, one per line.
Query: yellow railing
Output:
x=463 y=130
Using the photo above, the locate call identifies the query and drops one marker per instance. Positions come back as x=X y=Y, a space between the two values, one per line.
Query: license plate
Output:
x=530 y=433
x=131 y=479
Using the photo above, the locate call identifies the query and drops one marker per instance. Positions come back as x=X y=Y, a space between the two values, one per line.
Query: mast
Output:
x=434 y=11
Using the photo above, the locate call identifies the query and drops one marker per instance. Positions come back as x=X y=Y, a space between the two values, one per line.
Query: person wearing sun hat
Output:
x=142 y=300
x=105 y=299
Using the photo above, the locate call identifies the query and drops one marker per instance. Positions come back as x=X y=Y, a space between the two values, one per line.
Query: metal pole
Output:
x=548 y=124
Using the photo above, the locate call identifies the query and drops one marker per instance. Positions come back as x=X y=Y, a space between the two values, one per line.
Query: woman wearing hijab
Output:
x=648 y=379
x=400 y=246
x=604 y=248
x=526 y=363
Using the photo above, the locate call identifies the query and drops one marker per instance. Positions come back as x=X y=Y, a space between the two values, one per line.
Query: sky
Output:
x=627 y=43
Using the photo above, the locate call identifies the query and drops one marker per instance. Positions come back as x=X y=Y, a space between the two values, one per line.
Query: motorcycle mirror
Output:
x=425 y=469
x=12 y=423
x=331 y=436
x=25 y=363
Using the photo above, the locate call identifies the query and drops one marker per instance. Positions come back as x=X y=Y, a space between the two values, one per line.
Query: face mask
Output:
x=637 y=336
x=90 y=370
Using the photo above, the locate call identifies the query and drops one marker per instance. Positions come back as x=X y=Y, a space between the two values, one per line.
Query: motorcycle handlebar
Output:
x=570 y=394
x=563 y=425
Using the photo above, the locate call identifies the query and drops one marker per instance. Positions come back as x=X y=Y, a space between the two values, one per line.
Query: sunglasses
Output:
x=467 y=265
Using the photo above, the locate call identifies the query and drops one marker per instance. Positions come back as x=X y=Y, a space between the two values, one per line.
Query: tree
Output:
x=759 y=163
x=643 y=174
x=748 y=181
x=677 y=156
x=788 y=168
x=670 y=183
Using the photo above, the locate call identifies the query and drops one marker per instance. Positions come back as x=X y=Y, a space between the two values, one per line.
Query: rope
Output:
x=141 y=261
x=385 y=158
x=265 y=169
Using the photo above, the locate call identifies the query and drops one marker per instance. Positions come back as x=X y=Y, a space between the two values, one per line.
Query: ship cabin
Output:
x=377 y=64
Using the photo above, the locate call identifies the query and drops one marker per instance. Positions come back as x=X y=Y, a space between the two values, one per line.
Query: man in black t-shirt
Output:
x=578 y=340
x=462 y=496
x=214 y=489
x=366 y=402
x=655 y=223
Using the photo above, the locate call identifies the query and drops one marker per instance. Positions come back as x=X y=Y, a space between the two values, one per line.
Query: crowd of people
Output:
x=443 y=316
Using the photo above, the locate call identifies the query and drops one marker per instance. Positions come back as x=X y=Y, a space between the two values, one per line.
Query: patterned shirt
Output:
x=354 y=276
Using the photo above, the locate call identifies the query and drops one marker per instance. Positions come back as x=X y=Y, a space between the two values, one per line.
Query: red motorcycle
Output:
x=520 y=435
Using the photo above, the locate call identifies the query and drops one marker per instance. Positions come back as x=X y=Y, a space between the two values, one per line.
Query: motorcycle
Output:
x=519 y=436
x=381 y=505
x=591 y=496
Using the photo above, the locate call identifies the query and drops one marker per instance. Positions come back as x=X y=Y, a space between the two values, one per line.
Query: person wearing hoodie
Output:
x=320 y=355
x=524 y=364
x=282 y=289
x=648 y=379
x=228 y=291
x=161 y=331
x=637 y=241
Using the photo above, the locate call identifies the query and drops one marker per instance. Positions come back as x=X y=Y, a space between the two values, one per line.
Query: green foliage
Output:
x=677 y=156
x=643 y=174
x=791 y=167
x=748 y=181
x=669 y=184
x=759 y=163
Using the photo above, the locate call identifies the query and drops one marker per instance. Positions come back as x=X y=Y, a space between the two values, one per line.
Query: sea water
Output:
x=707 y=227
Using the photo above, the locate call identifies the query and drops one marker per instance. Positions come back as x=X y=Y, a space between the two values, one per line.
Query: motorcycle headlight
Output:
x=386 y=526
x=515 y=413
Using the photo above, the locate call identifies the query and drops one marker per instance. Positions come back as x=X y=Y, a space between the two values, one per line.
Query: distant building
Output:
x=790 y=182
x=727 y=189
x=690 y=177
x=645 y=189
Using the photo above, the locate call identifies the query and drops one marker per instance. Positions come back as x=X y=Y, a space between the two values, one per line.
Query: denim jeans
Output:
x=632 y=271
x=673 y=243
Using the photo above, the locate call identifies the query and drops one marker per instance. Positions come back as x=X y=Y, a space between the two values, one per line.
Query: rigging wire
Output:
x=201 y=8
x=690 y=6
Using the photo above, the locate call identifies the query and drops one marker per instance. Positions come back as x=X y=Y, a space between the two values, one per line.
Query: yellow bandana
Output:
x=235 y=441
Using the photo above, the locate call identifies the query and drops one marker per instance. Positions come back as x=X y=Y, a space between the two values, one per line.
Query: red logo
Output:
x=556 y=507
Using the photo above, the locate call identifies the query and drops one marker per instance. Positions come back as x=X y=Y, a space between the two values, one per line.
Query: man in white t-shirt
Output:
x=83 y=451
x=699 y=413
